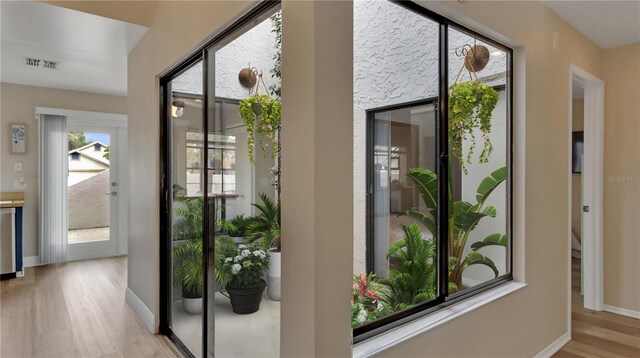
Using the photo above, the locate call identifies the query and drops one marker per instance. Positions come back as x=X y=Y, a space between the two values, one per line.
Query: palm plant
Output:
x=188 y=270
x=414 y=280
x=463 y=219
x=266 y=225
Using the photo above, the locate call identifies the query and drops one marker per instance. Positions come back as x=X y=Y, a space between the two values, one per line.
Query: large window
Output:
x=438 y=183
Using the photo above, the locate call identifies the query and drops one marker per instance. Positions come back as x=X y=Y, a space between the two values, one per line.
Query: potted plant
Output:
x=243 y=274
x=261 y=115
x=266 y=228
x=188 y=270
x=471 y=104
x=237 y=229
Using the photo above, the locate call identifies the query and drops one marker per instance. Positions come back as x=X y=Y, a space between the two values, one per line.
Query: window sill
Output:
x=393 y=337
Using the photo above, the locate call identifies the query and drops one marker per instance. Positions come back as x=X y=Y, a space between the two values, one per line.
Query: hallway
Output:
x=76 y=309
x=598 y=334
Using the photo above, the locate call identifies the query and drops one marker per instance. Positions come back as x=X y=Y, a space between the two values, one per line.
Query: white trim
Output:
x=31 y=261
x=622 y=311
x=421 y=325
x=592 y=190
x=74 y=117
x=144 y=313
x=555 y=346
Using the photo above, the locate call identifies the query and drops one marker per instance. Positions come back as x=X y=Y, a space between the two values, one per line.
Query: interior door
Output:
x=92 y=193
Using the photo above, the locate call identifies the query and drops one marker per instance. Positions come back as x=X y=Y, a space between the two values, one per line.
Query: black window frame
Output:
x=443 y=299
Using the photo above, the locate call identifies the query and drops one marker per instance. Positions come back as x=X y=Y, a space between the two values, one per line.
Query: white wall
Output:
x=17 y=104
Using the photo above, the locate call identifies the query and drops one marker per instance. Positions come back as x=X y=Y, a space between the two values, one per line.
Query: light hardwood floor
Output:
x=598 y=334
x=74 y=309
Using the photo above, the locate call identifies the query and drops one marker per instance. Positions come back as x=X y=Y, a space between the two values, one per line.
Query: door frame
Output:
x=119 y=123
x=592 y=190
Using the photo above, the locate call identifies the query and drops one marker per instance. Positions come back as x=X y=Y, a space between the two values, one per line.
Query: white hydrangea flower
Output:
x=236 y=268
x=245 y=253
x=362 y=316
x=242 y=246
x=229 y=259
x=237 y=259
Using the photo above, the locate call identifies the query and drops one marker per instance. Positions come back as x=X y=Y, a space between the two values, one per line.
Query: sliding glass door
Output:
x=218 y=170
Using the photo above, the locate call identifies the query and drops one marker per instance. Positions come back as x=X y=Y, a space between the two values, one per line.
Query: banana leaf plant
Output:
x=463 y=219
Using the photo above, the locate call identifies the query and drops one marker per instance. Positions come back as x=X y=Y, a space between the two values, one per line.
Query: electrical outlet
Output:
x=17 y=166
x=20 y=183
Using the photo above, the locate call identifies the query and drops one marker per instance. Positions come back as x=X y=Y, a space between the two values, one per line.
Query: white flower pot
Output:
x=192 y=305
x=273 y=276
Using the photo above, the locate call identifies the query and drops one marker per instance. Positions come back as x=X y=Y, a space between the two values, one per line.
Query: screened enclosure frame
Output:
x=442 y=299
x=246 y=19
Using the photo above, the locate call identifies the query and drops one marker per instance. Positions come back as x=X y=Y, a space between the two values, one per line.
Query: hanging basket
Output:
x=471 y=104
x=261 y=115
x=477 y=58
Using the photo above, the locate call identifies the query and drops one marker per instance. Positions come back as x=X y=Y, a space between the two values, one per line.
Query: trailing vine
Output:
x=261 y=114
x=470 y=106
x=276 y=23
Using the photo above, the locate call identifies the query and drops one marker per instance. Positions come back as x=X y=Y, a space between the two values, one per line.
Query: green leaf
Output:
x=422 y=218
x=490 y=211
x=467 y=221
x=489 y=184
x=427 y=183
x=462 y=207
x=491 y=240
x=474 y=258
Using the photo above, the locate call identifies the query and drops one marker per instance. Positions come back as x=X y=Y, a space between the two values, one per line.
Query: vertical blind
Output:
x=53 y=188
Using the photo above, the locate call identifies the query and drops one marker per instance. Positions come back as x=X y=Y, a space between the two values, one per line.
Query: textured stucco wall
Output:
x=88 y=203
x=255 y=47
x=396 y=61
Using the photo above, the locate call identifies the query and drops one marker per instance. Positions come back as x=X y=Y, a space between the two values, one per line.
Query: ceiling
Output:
x=91 y=50
x=607 y=23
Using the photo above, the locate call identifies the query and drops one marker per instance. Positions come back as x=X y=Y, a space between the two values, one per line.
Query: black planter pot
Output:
x=246 y=300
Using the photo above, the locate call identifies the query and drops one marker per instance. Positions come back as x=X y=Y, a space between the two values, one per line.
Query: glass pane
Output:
x=395 y=68
x=235 y=184
x=479 y=145
x=187 y=208
x=89 y=191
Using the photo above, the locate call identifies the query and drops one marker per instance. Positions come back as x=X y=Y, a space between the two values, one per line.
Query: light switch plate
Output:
x=17 y=166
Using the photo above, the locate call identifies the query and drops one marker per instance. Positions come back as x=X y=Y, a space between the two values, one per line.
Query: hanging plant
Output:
x=470 y=106
x=261 y=114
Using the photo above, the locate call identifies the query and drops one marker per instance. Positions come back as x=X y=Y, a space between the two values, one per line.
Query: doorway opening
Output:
x=92 y=189
x=585 y=236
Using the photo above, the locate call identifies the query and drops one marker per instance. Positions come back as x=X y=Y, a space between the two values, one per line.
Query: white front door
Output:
x=92 y=193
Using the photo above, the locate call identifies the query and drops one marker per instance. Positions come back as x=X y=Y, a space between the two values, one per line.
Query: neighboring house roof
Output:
x=94 y=158
x=88 y=146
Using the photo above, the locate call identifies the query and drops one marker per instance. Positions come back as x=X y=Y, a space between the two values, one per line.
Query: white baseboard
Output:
x=555 y=346
x=144 y=313
x=622 y=311
x=31 y=261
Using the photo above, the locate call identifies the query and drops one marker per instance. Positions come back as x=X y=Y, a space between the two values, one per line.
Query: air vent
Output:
x=36 y=62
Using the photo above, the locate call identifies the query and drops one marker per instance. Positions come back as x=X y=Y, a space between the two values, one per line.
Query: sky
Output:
x=97 y=137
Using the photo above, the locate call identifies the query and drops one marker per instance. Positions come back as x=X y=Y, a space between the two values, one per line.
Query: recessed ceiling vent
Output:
x=36 y=62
